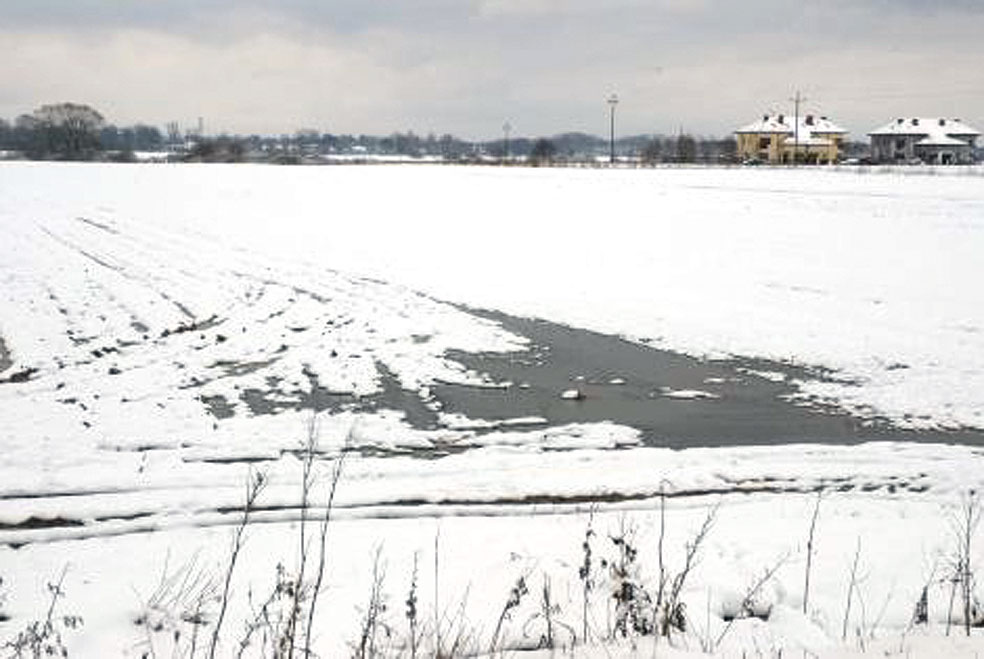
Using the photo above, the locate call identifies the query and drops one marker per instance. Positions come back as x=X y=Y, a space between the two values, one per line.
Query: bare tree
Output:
x=68 y=130
x=543 y=152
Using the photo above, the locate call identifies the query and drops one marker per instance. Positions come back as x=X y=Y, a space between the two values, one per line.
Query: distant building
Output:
x=936 y=141
x=778 y=139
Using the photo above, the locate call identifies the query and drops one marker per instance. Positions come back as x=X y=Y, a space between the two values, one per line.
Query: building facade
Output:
x=781 y=139
x=930 y=140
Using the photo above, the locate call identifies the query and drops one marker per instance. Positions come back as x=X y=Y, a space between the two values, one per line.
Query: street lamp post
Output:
x=612 y=102
x=506 y=127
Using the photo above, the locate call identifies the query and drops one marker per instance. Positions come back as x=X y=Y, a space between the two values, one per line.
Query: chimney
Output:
x=942 y=122
x=809 y=120
x=915 y=121
x=765 y=117
x=899 y=121
x=781 y=117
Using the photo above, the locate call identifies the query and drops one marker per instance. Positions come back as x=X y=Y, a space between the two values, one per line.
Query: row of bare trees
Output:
x=68 y=131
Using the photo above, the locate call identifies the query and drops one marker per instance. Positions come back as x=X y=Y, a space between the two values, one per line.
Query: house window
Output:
x=764 y=142
x=900 y=145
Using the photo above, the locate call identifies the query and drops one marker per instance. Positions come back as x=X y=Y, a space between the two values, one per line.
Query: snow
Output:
x=143 y=300
x=771 y=376
x=878 y=268
x=937 y=129
x=481 y=556
x=811 y=130
x=941 y=140
x=687 y=394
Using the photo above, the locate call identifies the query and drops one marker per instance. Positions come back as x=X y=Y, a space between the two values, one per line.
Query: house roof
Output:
x=935 y=128
x=941 y=140
x=810 y=126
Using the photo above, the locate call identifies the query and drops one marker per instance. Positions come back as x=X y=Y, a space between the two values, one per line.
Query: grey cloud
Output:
x=183 y=15
x=465 y=66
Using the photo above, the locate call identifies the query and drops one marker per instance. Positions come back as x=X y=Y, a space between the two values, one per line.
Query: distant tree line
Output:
x=642 y=149
x=72 y=131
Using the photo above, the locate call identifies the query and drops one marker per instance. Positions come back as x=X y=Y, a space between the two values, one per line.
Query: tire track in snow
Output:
x=119 y=269
x=110 y=521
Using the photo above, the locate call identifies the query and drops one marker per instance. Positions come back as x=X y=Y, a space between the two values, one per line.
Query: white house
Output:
x=932 y=140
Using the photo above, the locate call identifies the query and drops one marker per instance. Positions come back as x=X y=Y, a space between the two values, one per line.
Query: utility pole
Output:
x=506 y=127
x=796 y=124
x=612 y=102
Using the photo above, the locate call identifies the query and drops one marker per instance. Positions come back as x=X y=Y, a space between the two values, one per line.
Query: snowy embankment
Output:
x=167 y=328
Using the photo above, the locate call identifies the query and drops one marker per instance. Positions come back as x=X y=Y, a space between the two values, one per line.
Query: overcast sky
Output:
x=467 y=66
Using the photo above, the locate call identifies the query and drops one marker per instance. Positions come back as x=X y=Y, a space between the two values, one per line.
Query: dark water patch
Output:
x=633 y=384
x=674 y=400
x=218 y=406
x=318 y=398
x=394 y=396
x=239 y=368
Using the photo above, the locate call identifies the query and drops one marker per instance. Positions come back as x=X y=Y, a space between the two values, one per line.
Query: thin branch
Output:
x=850 y=589
x=752 y=592
x=336 y=476
x=308 y=450
x=254 y=485
x=809 y=551
x=437 y=571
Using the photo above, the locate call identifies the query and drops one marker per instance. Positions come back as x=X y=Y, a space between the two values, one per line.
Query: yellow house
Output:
x=781 y=139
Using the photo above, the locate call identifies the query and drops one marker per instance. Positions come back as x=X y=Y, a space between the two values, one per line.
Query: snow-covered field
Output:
x=165 y=329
